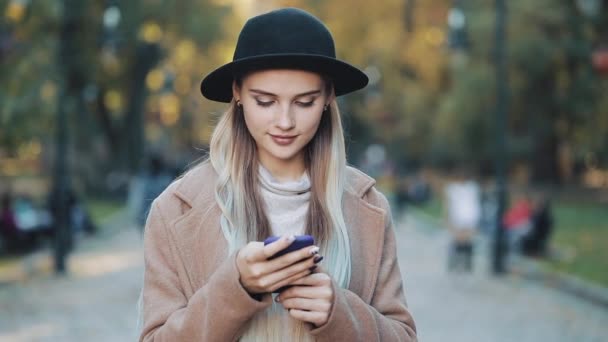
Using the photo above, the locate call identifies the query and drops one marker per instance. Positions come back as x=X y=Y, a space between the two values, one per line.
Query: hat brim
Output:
x=217 y=85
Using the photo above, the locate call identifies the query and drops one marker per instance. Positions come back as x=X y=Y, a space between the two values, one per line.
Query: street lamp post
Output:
x=502 y=103
x=71 y=82
x=60 y=191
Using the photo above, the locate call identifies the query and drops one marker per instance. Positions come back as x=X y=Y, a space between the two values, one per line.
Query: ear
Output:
x=331 y=98
x=236 y=91
x=332 y=95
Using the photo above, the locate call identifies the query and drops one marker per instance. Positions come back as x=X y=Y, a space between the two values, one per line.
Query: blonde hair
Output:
x=233 y=155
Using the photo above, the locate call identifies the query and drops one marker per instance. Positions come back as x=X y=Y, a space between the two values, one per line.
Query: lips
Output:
x=283 y=139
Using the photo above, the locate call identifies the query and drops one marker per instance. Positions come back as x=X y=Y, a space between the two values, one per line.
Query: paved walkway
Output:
x=480 y=307
x=97 y=302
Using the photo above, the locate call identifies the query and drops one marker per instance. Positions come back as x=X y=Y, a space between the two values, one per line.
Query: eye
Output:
x=264 y=103
x=305 y=104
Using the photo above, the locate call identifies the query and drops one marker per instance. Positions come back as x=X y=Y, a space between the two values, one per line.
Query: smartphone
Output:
x=301 y=241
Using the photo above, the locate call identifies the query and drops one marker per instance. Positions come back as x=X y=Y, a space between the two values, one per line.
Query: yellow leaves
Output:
x=150 y=32
x=29 y=150
x=182 y=84
x=15 y=11
x=48 y=91
x=113 y=100
x=185 y=52
x=165 y=108
x=423 y=51
x=434 y=36
x=155 y=79
x=169 y=105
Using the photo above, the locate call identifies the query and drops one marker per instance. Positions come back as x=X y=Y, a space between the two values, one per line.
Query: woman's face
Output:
x=282 y=110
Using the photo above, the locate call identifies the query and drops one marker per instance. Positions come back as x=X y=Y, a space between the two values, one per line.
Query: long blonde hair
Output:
x=233 y=155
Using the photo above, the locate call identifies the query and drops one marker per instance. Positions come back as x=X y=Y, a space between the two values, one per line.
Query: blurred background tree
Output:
x=138 y=63
x=430 y=102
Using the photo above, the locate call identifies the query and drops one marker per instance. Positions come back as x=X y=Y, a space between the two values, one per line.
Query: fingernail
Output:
x=291 y=238
x=318 y=259
x=314 y=250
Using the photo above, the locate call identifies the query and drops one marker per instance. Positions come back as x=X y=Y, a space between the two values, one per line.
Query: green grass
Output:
x=101 y=209
x=581 y=231
x=580 y=238
x=432 y=208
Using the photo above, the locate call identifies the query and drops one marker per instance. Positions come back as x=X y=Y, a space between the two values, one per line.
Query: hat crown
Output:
x=284 y=31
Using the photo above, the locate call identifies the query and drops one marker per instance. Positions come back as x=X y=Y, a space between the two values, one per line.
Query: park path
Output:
x=481 y=307
x=97 y=301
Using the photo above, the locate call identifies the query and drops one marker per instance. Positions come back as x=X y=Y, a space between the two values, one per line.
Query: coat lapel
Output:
x=200 y=240
x=198 y=234
x=366 y=241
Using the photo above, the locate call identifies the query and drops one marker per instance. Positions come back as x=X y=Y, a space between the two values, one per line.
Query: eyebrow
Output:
x=262 y=92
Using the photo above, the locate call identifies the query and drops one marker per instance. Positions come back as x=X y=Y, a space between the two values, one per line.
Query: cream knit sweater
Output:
x=286 y=203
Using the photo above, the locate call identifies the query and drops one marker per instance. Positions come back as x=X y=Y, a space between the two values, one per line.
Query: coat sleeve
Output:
x=218 y=311
x=386 y=318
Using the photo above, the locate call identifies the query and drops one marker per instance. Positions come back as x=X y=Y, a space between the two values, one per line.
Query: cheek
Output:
x=311 y=123
x=254 y=122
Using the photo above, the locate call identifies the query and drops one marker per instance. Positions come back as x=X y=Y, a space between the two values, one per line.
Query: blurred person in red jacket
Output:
x=518 y=221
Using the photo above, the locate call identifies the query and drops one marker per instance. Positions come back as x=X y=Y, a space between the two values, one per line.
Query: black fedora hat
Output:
x=287 y=38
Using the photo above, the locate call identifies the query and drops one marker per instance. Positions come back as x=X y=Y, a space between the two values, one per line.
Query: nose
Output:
x=285 y=120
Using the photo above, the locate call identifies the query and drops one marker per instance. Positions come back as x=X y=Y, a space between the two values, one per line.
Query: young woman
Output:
x=276 y=167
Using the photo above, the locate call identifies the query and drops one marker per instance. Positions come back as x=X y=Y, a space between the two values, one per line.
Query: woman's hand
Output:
x=260 y=275
x=309 y=299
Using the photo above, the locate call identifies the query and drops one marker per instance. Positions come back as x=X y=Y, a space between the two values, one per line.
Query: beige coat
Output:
x=191 y=285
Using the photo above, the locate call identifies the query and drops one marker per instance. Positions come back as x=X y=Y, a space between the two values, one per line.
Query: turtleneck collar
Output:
x=298 y=187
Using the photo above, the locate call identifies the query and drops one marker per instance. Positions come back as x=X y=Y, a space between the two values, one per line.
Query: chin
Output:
x=284 y=155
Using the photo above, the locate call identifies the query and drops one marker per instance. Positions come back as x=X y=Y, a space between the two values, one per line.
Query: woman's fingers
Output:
x=259 y=275
x=318 y=278
x=293 y=257
x=317 y=318
x=289 y=280
x=310 y=300
x=307 y=292
x=279 y=245
x=291 y=273
x=262 y=276
x=306 y=304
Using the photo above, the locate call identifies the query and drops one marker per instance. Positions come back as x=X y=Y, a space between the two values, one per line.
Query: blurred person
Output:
x=419 y=190
x=517 y=221
x=463 y=213
x=535 y=242
x=80 y=219
x=489 y=208
x=22 y=223
x=154 y=181
x=8 y=226
x=276 y=166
